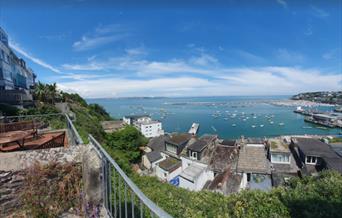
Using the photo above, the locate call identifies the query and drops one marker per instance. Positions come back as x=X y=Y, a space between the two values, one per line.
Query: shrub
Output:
x=52 y=189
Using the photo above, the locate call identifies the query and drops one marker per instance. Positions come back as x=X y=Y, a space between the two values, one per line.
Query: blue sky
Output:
x=203 y=49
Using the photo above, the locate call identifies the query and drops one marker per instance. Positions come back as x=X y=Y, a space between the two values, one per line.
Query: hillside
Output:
x=320 y=97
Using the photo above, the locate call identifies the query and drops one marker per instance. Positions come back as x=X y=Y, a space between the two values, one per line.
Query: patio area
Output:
x=31 y=133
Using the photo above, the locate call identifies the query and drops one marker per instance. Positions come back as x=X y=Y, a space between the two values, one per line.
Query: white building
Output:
x=168 y=169
x=151 y=159
x=148 y=127
x=195 y=176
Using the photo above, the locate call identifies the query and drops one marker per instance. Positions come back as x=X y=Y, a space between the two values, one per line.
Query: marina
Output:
x=229 y=117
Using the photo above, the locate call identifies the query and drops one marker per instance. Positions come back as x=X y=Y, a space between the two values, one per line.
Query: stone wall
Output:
x=12 y=171
x=10 y=187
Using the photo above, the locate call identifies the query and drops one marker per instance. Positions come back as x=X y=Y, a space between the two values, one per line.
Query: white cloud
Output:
x=87 y=43
x=114 y=87
x=204 y=60
x=330 y=54
x=38 y=61
x=102 y=35
x=229 y=81
x=136 y=51
x=282 y=3
x=318 y=12
x=79 y=76
x=289 y=56
x=249 y=56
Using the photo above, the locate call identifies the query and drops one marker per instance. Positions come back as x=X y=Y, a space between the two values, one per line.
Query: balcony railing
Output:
x=72 y=132
x=122 y=198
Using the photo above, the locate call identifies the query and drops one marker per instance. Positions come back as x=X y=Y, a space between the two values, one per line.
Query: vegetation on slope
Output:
x=88 y=116
x=52 y=189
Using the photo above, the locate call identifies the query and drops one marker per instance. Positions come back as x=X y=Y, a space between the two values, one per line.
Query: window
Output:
x=280 y=158
x=311 y=160
x=193 y=155
x=171 y=148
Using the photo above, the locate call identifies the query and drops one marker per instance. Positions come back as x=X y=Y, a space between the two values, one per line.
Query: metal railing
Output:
x=72 y=132
x=121 y=197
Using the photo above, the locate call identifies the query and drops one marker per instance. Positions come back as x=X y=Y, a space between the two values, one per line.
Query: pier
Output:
x=194 y=128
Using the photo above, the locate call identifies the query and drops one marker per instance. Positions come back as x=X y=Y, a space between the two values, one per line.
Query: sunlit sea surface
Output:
x=229 y=117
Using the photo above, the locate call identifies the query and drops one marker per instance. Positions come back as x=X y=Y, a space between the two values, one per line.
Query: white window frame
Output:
x=193 y=155
x=280 y=162
x=311 y=158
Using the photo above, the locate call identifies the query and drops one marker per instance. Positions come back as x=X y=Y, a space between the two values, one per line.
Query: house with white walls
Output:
x=254 y=167
x=144 y=123
x=195 y=171
x=168 y=169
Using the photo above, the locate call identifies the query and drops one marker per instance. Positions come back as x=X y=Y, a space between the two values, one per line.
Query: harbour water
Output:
x=229 y=117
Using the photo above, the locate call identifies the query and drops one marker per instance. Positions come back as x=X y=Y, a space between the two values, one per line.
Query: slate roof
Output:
x=153 y=156
x=223 y=157
x=179 y=138
x=337 y=147
x=314 y=147
x=157 y=143
x=252 y=159
x=198 y=146
x=170 y=164
x=334 y=163
x=208 y=138
x=228 y=142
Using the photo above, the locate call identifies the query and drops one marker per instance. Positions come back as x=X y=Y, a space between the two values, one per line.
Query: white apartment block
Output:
x=148 y=127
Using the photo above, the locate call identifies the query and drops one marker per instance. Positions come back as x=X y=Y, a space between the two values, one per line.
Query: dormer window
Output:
x=311 y=160
x=193 y=155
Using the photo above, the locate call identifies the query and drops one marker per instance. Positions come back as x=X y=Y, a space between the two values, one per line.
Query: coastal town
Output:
x=208 y=162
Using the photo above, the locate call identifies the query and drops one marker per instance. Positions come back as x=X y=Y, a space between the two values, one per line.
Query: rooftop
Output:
x=198 y=146
x=228 y=142
x=277 y=145
x=223 y=157
x=136 y=116
x=170 y=164
x=314 y=147
x=148 y=122
x=179 y=138
x=153 y=156
x=253 y=159
x=111 y=126
x=157 y=143
x=208 y=138
x=192 y=172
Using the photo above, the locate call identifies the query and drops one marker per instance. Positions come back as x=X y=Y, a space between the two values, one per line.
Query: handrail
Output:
x=31 y=115
x=145 y=200
x=74 y=130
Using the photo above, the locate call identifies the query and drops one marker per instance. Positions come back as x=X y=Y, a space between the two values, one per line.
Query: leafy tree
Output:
x=99 y=110
x=127 y=140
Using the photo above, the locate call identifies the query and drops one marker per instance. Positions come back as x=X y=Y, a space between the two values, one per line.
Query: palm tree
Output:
x=52 y=92
x=39 y=92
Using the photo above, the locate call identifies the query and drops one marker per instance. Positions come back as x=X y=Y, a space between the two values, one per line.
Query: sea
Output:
x=228 y=117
